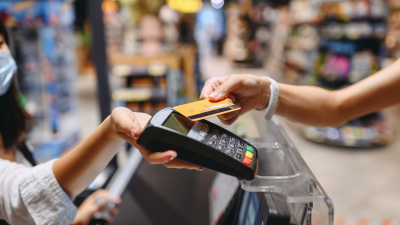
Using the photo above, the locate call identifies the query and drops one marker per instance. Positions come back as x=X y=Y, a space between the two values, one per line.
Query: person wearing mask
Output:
x=41 y=194
x=306 y=104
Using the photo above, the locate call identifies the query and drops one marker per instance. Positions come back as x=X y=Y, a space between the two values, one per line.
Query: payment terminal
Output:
x=201 y=143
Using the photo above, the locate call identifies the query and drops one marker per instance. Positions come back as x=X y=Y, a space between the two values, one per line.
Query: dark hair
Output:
x=13 y=118
x=4 y=32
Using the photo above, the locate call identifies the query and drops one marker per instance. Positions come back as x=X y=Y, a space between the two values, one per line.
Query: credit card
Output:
x=205 y=108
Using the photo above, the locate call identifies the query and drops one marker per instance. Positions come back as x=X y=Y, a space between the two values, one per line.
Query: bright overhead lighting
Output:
x=217 y=4
x=185 y=6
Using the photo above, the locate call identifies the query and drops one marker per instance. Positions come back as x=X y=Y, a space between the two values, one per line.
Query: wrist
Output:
x=78 y=219
x=109 y=127
x=109 y=132
x=265 y=93
x=82 y=217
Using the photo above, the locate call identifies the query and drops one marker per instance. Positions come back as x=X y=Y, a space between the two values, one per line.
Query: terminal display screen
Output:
x=250 y=212
x=179 y=123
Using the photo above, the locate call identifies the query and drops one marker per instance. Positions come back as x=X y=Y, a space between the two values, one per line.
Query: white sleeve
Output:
x=33 y=195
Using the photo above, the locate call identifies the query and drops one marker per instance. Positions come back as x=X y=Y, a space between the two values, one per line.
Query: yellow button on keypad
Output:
x=249 y=155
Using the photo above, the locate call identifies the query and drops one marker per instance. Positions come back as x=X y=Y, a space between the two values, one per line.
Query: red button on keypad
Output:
x=246 y=161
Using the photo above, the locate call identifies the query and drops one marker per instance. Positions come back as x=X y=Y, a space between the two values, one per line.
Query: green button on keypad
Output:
x=249 y=148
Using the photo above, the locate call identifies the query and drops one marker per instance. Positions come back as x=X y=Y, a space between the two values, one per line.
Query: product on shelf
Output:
x=392 y=40
x=140 y=94
x=249 y=32
x=371 y=130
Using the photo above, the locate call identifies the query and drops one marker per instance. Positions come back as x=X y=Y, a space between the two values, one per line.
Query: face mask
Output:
x=7 y=69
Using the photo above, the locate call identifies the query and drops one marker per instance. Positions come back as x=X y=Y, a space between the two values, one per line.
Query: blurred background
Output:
x=77 y=60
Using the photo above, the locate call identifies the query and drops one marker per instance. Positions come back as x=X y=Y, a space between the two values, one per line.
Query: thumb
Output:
x=134 y=128
x=126 y=123
x=221 y=92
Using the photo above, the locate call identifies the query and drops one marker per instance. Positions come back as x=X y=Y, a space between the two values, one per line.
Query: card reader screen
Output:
x=179 y=123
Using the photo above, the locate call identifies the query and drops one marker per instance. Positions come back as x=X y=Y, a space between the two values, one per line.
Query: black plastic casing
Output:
x=159 y=138
x=274 y=206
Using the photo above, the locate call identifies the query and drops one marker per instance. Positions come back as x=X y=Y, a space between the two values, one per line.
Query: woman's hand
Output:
x=245 y=90
x=89 y=207
x=128 y=125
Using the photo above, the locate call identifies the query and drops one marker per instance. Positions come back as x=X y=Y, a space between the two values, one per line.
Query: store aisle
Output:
x=362 y=183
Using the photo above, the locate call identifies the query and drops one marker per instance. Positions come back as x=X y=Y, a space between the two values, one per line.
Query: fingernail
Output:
x=199 y=169
x=214 y=94
x=133 y=133
x=170 y=159
x=228 y=99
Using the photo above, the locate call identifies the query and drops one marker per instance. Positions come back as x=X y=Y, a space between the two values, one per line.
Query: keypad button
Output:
x=199 y=138
x=238 y=156
x=211 y=142
x=204 y=129
x=215 y=131
x=229 y=151
x=223 y=140
x=249 y=155
x=240 y=149
x=246 y=161
x=241 y=143
x=220 y=147
x=215 y=137
x=224 y=135
x=232 y=145
x=249 y=148
x=202 y=133
x=233 y=139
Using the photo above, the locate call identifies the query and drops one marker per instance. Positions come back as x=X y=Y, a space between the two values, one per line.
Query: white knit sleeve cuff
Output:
x=44 y=198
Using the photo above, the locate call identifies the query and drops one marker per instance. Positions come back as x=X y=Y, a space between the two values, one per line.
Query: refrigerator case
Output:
x=283 y=176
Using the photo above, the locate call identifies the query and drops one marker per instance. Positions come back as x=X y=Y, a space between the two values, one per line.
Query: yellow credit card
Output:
x=205 y=108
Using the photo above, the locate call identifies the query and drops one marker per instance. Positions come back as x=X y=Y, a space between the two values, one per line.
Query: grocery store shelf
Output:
x=140 y=94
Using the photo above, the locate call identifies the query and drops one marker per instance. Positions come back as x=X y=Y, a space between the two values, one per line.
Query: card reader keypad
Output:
x=223 y=142
x=211 y=142
x=203 y=132
x=238 y=156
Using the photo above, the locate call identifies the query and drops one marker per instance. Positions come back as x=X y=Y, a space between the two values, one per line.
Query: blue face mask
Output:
x=7 y=70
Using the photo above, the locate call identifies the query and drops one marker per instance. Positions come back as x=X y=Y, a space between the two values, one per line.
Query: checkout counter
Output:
x=285 y=191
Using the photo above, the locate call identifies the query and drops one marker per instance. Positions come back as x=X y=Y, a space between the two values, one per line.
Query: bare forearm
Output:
x=78 y=168
x=378 y=91
x=308 y=105
x=320 y=107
